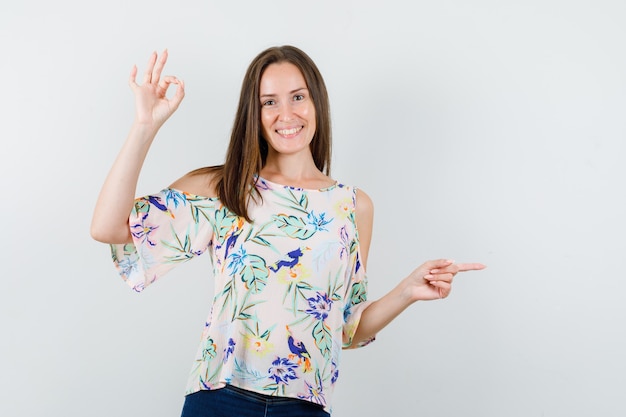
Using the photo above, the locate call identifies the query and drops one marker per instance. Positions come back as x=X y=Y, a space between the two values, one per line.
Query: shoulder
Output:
x=201 y=182
x=364 y=206
x=364 y=213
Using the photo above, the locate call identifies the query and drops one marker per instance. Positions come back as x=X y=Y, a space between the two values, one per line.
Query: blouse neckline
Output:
x=261 y=180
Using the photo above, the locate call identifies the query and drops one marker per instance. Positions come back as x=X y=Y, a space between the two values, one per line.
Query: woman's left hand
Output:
x=433 y=279
x=430 y=281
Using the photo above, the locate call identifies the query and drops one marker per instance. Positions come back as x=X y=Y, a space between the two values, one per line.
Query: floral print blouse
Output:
x=289 y=286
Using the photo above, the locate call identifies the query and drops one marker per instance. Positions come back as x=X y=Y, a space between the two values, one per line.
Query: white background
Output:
x=485 y=131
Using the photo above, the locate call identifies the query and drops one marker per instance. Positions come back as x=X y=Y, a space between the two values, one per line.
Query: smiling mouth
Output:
x=289 y=132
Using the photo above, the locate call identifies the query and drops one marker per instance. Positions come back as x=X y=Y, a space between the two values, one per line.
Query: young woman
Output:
x=288 y=243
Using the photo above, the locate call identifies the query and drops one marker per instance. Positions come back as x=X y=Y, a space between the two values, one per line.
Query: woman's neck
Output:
x=294 y=171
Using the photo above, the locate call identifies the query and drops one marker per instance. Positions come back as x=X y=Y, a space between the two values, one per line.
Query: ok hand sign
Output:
x=152 y=106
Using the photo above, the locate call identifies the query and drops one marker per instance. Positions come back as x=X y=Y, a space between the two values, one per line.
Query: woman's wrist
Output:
x=143 y=132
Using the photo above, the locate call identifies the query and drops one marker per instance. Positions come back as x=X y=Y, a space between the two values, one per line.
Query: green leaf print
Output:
x=294 y=202
x=259 y=235
x=296 y=291
x=242 y=314
x=224 y=221
x=254 y=273
x=253 y=330
x=181 y=249
x=198 y=210
x=208 y=379
x=209 y=350
x=323 y=338
x=359 y=293
x=229 y=292
x=142 y=206
x=246 y=373
x=294 y=226
x=303 y=201
x=334 y=291
x=354 y=245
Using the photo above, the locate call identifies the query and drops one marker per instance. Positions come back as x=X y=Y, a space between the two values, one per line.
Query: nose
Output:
x=286 y=113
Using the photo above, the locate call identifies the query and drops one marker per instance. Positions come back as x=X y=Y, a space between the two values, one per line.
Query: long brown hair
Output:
x=247 y=151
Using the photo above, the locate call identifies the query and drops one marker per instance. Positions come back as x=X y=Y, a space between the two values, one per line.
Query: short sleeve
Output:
x=356 y=291
x=356 y=302
x=167 y=229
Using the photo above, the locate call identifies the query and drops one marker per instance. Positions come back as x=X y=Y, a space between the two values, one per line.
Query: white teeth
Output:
x=289 y=131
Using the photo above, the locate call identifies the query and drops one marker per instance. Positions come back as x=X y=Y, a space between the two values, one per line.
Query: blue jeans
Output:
x=232 y=401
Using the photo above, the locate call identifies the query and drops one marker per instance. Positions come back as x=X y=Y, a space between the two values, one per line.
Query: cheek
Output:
x=312 y=118
x=267 y=120
x=308 y=113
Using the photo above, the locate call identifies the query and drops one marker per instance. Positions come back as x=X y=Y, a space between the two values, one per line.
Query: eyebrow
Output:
x=291 y=92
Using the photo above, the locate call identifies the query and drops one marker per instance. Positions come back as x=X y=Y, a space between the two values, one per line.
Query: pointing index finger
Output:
x=470 y=267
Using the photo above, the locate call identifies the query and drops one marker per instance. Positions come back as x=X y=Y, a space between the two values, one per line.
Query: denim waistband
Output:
x=262 y=398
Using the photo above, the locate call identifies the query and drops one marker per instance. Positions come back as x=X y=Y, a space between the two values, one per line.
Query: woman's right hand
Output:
x=153 y=108
x=152 y=105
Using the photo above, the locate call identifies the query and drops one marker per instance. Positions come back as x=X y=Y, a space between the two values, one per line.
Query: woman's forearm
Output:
x=382 y=312
x=115 y=201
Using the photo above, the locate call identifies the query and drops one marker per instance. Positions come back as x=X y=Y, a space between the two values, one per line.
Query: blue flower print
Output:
x=347 y=310
x=237 y=260
x=318 y=222
x=282 y=370
x=334 y=370
x=229 y=350
x=174 y=197
x=319 y=306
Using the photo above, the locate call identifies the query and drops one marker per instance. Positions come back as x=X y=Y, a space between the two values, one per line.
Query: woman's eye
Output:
x=298 y=97
x=269 y=102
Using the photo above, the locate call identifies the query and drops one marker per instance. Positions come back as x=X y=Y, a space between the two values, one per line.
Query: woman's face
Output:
x=287 y=111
